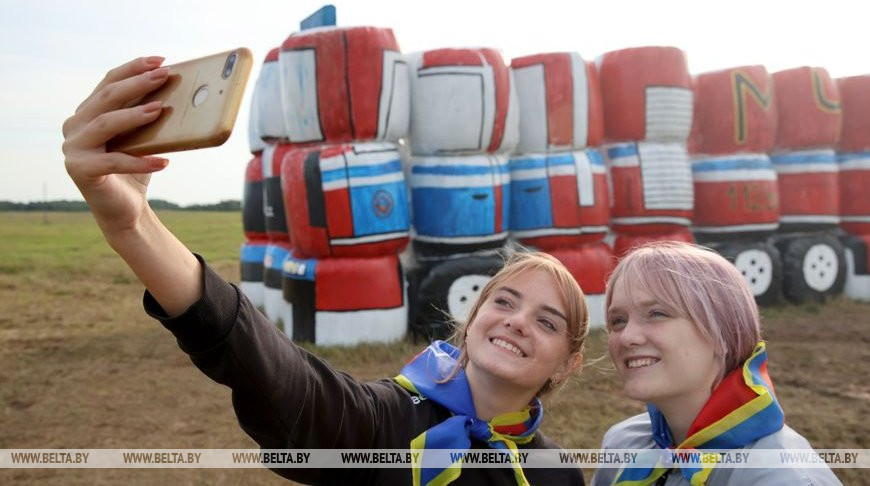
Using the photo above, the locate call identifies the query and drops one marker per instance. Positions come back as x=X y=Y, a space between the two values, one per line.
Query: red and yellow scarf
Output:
x=741 y=410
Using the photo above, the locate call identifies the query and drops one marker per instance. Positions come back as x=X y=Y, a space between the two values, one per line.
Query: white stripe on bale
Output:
x=667 y=176
x=668 y=113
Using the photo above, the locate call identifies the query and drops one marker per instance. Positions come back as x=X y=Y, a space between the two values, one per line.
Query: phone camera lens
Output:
x=228 y=66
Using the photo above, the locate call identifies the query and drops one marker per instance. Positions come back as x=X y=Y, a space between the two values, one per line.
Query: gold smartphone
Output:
x=201 y=99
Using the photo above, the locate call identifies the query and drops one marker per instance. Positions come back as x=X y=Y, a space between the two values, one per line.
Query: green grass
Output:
x=72 y=242
x=27 y=241
x=217 y=236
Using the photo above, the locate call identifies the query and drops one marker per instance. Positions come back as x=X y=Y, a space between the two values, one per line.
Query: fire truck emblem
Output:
x=382 y=203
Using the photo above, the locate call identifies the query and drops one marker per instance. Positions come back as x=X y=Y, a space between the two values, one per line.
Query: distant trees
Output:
x=60 y=205
x=226 y=205
x=159 y=204
x=162 y=204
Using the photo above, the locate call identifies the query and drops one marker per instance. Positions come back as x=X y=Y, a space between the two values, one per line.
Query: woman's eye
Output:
x=548 y=325
x=501 y=301
x=616 y=323
x=658 y=314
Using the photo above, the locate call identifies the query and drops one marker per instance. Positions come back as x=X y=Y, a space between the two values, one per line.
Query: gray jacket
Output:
x=636 y=433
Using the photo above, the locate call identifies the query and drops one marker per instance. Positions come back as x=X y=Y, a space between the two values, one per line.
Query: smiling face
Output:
x=519 y=337
x=661 y=355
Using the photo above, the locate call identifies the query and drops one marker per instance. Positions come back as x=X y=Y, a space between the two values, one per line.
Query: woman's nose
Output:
x=632 y=334
x=518 y=322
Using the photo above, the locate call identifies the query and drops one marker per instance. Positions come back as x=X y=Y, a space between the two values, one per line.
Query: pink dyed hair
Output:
x=704 y=287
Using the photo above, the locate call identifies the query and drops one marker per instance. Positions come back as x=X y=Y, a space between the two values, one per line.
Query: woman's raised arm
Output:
x=115 y=184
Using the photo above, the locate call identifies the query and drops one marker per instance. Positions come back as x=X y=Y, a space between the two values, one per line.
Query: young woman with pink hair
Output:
x=684 y=335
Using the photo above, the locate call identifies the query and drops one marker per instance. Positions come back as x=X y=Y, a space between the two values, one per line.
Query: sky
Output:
x=53 y=52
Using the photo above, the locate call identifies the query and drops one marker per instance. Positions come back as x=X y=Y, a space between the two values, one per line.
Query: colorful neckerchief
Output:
x=421 y=376
x=741 y=410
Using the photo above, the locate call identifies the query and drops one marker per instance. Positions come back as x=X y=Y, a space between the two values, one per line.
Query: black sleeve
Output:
x=284 y=396
x=559 y=473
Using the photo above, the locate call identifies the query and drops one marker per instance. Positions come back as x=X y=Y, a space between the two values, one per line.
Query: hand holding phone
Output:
x=201 y=100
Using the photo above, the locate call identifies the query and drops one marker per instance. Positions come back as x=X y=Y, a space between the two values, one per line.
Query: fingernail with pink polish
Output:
x=154 y=60
x=158 y=73
x=152 y=107
x=159 y=163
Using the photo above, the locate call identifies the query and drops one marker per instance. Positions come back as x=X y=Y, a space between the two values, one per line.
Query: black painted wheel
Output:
x=814 y=267
x=447 y=292
x=760 y=265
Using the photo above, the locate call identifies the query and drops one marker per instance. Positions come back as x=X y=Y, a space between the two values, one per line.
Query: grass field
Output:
x=82 y=366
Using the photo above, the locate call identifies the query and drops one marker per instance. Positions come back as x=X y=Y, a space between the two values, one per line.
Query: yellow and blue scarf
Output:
x=741 y=410
x=422 y=376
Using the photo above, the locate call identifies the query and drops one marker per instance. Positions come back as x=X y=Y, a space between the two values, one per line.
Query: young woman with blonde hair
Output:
x=523 y=339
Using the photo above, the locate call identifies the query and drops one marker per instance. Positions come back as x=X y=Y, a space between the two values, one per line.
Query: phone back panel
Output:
x=200 y=106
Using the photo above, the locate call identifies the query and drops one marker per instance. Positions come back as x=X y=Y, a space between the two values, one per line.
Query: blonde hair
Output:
x=701 y=285
x=573 y=300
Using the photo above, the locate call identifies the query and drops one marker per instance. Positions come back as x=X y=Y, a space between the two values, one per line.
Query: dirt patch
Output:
x=81 y=366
